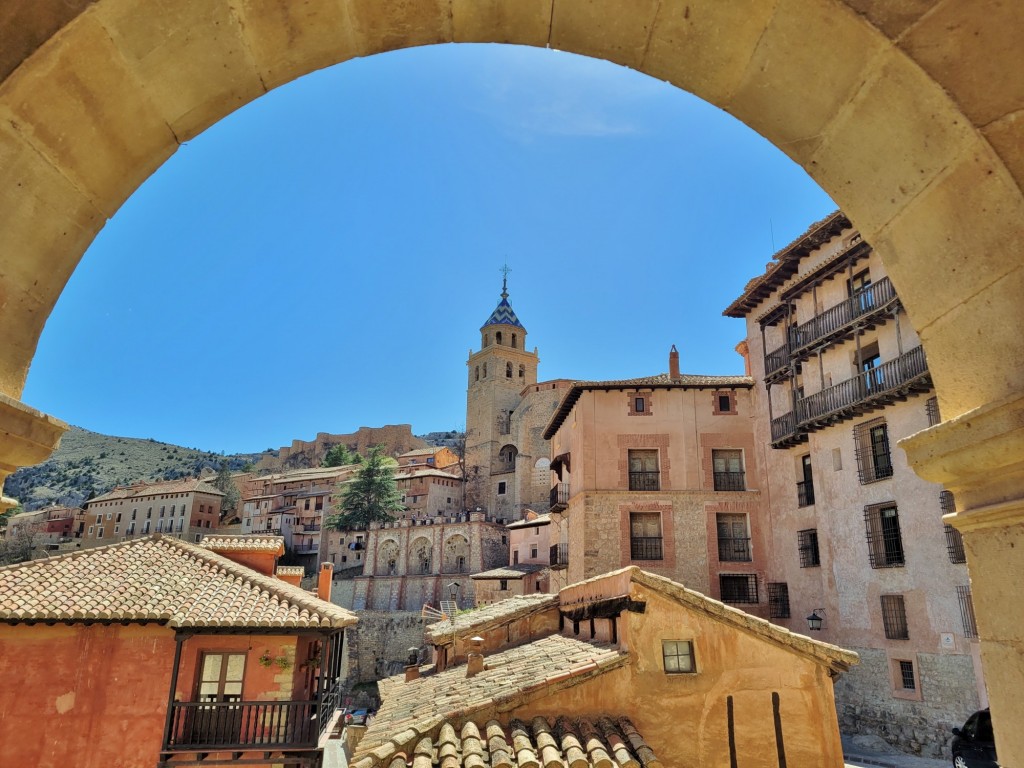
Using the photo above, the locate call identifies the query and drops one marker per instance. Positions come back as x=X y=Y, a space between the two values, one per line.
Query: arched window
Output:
x=487 y=339
x=497 y=337
x=477 y=374
x=522 y=371
x=485 y=370
x=507 y=456
x=508 y=370
x=513 y=341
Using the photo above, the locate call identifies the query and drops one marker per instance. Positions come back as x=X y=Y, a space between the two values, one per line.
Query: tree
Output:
x=340 y=456
x=371 y=496
x=227 y=486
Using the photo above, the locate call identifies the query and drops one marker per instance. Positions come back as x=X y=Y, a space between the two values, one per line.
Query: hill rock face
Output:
x=396 y=439
x=87 y=464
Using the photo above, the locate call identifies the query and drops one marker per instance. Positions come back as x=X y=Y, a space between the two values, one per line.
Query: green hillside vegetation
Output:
x=88 y=464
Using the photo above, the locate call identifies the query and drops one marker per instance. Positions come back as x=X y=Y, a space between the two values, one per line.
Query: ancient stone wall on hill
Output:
x=397 y=439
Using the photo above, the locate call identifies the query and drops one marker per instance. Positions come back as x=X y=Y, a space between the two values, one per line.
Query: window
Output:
x=907 y=681
x=894 y=617
x=99 y=519
x=931 y=409
x=805 y=486
x=837 y=459
x=118 y=520
x=807 y=545
x=728 y=470
x=131 y=528
x=485 y=370
x=738 y=587
x=501 y=488
x=724 y=403
x=954 y=541
x=117 y=529
x=871 y=443
x=643 y=470
x=885 y=544
x=639 y=403
x=145 y=526
x=162 y=511
x=963 y=595
x=778 y=600
x=533 y=553
x=678 y=656
x=159 y=526
x=522 y=371
x=645 y=536
x=91 y=529
x=507 y=457
x=503 y=584
x=497 y=337
x=515 y=557
x=733 y=539
x=515 y=341
x=181 y=523
x=99 y=532
x=109 y=515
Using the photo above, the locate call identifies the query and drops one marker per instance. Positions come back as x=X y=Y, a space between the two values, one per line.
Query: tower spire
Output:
x=504 y=280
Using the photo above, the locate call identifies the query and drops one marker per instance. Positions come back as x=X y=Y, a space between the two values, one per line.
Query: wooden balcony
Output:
x=866 y=308
x=240 y=726
x=870 y=390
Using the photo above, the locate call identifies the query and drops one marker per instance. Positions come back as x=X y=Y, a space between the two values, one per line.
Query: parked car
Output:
x=974 y=746
x=358 y=716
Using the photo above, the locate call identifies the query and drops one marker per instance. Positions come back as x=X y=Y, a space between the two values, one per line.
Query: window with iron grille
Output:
x=807 y=544
x=645 y=536
x=885 y=544
x=907 y=681
x=643 y=470
x=738 y=587
x=954 y=541
x=733 y=538
x=871 y=445
x=778 y=600
x=931 y=407
x=963 y=594
x=678 y=656
x=805 y=486
x=728 y=469
x=894 y=617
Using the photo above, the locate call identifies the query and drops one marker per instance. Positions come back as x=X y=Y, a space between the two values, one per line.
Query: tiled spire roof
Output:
x=503 y=314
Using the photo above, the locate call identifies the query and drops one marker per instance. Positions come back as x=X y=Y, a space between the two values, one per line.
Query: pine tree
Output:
x=371 y=495
x=340 y=456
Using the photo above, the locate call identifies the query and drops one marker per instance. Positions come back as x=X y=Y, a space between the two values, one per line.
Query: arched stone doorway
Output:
x=909 y=118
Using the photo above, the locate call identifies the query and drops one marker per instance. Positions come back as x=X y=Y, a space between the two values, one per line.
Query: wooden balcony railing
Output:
x=559 y=554
x=835 y=322
x=866 y=391
x=559 y=496
x=243 y=725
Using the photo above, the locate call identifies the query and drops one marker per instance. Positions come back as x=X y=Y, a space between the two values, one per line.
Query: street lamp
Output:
x=814 y=621
x=453 y=591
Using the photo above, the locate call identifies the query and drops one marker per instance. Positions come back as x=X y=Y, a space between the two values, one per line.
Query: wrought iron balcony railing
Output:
x=736 y=550
x=559 y=496
x=805 y=493
x=645 y=548
x=730 y=481
x=559 y=554
x=645 y=481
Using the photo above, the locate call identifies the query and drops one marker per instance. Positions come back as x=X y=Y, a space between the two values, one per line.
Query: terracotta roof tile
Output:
x=605 y=742
x=184 y=485
x=158 y=579
x=490 y=615
x=413 y=709
x=251 y=543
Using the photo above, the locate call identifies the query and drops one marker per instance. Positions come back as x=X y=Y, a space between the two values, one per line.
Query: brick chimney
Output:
x=323 y=584
x=475 y=656
x=673 y=363
x=412 y=668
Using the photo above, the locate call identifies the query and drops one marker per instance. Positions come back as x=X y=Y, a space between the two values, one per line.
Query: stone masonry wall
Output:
x=378 y=645
x=948 y=693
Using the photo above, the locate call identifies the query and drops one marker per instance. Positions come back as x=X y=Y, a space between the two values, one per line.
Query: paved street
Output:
x=869 y=753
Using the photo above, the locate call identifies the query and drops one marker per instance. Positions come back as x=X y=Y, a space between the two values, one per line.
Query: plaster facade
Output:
x=916 y=133
x=856 y=536
x=662 y=472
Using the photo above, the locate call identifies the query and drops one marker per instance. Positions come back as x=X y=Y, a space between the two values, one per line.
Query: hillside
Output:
x=88 y=464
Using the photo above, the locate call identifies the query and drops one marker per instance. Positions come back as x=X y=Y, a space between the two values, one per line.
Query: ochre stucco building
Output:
x=855 y=534
x=630 y=667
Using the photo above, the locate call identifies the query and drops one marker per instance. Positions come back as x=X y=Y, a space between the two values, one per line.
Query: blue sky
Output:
x=324 y=257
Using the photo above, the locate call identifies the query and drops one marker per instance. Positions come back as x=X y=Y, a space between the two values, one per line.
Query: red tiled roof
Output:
x=158 y=579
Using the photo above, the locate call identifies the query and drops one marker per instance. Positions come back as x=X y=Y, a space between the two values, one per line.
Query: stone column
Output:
x=27 y=437
x=979 y=456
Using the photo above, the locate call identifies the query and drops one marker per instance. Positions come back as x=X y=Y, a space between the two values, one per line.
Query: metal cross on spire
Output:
x=504 y=280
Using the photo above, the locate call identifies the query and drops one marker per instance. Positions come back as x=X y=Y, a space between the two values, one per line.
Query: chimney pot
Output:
x=324 y=581
x=673 y=363
x=475 y=656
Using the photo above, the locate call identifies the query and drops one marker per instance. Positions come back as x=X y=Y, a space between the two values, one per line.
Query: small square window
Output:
x=501 y=488
x=678 y=656
x=503 y=584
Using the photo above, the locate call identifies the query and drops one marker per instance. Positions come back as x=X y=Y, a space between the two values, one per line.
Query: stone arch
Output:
x=387 y=558
x=508 y=370
x=515 y=341
x=914 y=131
x=497 y=337
x=421 y=556
x=456 y=554
x=507 y=457
x=542 y=471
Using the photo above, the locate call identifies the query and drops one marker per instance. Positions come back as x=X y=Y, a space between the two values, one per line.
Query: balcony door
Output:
x=220 y=683
x=859 y=288
x=643 y=470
